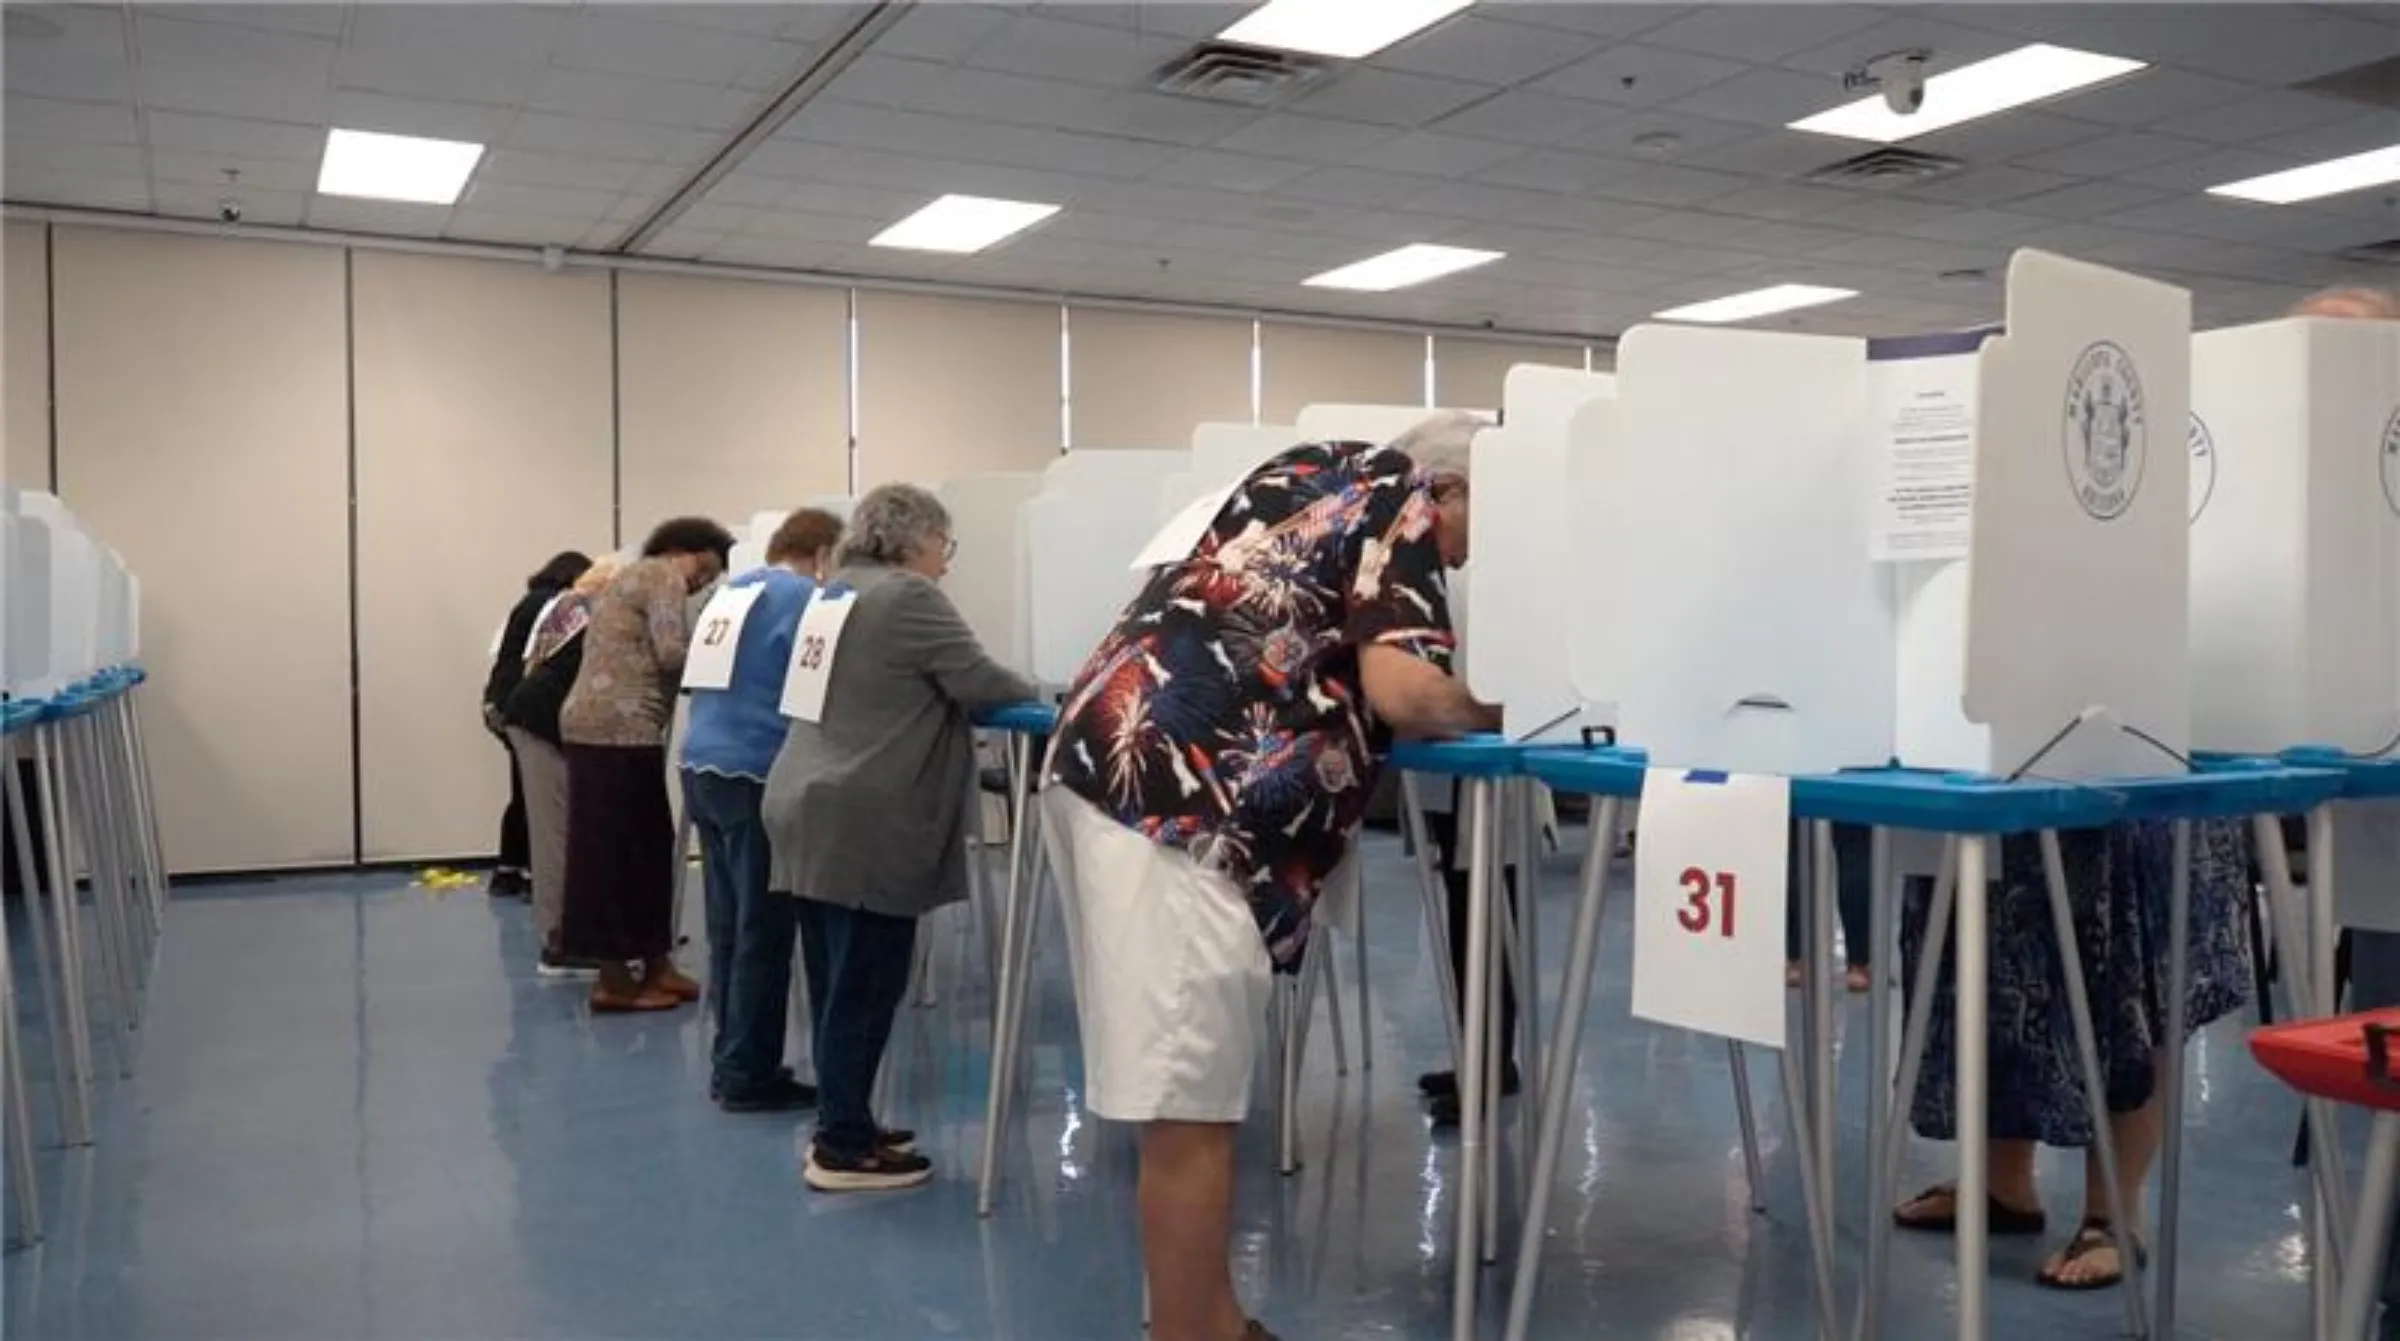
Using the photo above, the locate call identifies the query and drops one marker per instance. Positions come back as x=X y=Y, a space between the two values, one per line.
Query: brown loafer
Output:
x=646 y=999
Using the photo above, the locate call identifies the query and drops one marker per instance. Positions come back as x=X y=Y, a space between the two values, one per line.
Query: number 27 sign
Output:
x=1710 y=879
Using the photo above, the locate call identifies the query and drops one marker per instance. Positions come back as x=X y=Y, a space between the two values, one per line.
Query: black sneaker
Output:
x=1444 y=1108
x=1444 y=1084
x=898 y=1140
x=783 y=1076
x=506 y=884
x=878 y=1170
x=780 y=1095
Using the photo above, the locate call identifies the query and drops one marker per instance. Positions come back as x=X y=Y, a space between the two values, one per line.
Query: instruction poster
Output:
x=1923 y=413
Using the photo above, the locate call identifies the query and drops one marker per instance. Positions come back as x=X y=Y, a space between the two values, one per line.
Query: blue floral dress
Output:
x=2118 y=883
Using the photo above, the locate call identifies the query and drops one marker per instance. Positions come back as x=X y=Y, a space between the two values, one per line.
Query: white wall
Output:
x=220 y=400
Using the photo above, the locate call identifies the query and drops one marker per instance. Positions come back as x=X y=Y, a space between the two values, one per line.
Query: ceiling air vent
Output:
x=1885 y=169
x=1245 y=76
x=2386 y=252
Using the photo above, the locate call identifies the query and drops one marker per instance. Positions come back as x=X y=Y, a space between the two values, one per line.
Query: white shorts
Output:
x=1172 y=979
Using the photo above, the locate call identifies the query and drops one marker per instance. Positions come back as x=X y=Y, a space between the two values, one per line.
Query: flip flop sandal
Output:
x=2002 y=1219
x=2090 y=1237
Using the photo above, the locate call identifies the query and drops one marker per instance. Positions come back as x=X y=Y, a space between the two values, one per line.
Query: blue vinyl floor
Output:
x=358 y=1113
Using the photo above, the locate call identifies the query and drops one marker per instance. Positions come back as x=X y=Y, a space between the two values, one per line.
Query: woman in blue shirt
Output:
x=729 y=742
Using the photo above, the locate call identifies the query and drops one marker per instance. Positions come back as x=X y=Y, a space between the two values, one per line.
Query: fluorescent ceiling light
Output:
x=1342 y=29
x=2028 y=74
x=2376 y=167
x=1397 y=269
x=963 y=224
x=371 y=166
x=1756 y=303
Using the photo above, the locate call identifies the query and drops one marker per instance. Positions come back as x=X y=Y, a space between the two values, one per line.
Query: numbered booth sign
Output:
x=1710 y=878
x=708 y=664
x=813 y=646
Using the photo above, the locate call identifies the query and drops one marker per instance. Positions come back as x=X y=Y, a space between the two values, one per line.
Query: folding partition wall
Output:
x=334 y=469
x=203 y=430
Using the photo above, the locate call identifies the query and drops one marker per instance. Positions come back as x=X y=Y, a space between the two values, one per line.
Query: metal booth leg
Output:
x=1472 y=1114
x=1975 y=866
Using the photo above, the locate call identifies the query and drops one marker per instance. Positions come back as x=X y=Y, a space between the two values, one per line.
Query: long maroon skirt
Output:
x=620 y=886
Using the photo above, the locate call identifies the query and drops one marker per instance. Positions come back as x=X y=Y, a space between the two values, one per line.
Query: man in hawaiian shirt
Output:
x=1212 y=762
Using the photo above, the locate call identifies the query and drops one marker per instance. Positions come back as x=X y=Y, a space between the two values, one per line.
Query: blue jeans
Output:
x=750 y=933
x=2375 y=983
x=858 y=969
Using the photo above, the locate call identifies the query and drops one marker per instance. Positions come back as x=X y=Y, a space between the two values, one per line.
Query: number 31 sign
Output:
x=1710 y=878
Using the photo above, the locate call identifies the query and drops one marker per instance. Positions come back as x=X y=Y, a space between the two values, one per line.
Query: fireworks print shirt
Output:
x=1224 y=713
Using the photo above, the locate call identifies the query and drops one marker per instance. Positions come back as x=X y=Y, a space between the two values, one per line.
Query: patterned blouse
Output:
x=633 y=650
x=1224 y=714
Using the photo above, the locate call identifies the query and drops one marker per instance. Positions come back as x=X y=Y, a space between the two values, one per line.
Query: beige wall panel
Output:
x=203 y=432
x=733 y=397
x=25 y=357
x=484 y=446
x=952 y=386
x=1144 y=379
x=1470 y=373
x=1325 y=365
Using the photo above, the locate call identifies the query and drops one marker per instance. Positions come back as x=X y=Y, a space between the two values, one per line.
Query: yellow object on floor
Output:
x=438 y=877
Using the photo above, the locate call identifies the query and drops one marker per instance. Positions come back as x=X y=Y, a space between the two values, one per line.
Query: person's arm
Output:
x=1399 y=618
x=935 y=639
x=664 y=601
x=1418 y=698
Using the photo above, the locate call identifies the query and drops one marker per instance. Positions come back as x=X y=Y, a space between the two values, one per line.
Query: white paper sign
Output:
x=813 y=645
x=716 y=635
x=1925 y=470
x=1175 y=540
x=1709 y=883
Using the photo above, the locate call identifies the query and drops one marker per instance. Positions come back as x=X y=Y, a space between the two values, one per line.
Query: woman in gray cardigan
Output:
x=867 y=809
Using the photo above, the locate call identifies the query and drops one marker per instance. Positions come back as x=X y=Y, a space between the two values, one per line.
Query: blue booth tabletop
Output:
x=1945 y=802
x=2364 y=778
x=1032 y=719
x=1477 y=756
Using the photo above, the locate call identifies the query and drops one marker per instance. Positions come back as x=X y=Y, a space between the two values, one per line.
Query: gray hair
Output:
x=892 y=524
x=2370 y=304
x=1443 y=444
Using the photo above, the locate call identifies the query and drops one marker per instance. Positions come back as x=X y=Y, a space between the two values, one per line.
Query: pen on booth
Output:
x=1552 y=725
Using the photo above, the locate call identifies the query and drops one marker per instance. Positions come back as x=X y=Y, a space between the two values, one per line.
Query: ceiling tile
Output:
x=773 y=253
x=582 y=172
x=1486 y=50
x=343 y=214
x=2214 y=168
x=469 y=224
x=1316 y=139
x=1429 y=154
x=1520 y=117
x=942 y=32
x=191 y=200
x=628 y=140
x=1143 y=115
x=2263 y=117
x=2118 y=155
x=1874 y=213
x=293 y=176
x=2007 y=138
x=664 y=102
x=2212 y=217
x=1180 y=19
x=1760 y=33
x=1763 y=98
x=1635 y=75
x=85 y=60
x=225 y=135
x=1555 y=170
x=750 y=20
x=929 y=86
x=612 y=40
x=481 y=53
x=1389 y=97
x=1612 y=21
x=1231 y=172
x=316 y=20
x=210 y=67
x=1969 y=226
x=2264 y=44
x=82 y=160
x=2156 y=96
x=554 y=201
x=29 y=118
x=1952 y=45
x=1082 y=52
x=684 y=243
x=1782 y=202
x=1991 y=186
x=1359 y=187
x=25 y=185
x=2337 y=139
x=477 y=123
x=2090 y=200
x=1667 y=184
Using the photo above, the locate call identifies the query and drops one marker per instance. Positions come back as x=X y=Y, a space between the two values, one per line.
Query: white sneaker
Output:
x=543 y=967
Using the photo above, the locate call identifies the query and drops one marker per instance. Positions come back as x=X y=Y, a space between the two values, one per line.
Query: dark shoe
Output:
x=876 y=1170
x=1444 y=1084
x=1935 y=1211
x=509 y=885
x=1444 y=1109
x=780 y=1095
x=783 y=1076
x=1257 y=1331
x=898 y=1140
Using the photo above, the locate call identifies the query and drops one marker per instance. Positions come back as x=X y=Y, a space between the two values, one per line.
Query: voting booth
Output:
x=1092 y=514
x=987 y=579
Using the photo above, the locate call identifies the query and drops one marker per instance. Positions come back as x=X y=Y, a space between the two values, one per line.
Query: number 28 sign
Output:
x=1710 y=881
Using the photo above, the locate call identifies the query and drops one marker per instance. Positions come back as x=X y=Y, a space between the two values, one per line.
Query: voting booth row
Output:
x=2085 y=569
x=70 y=656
